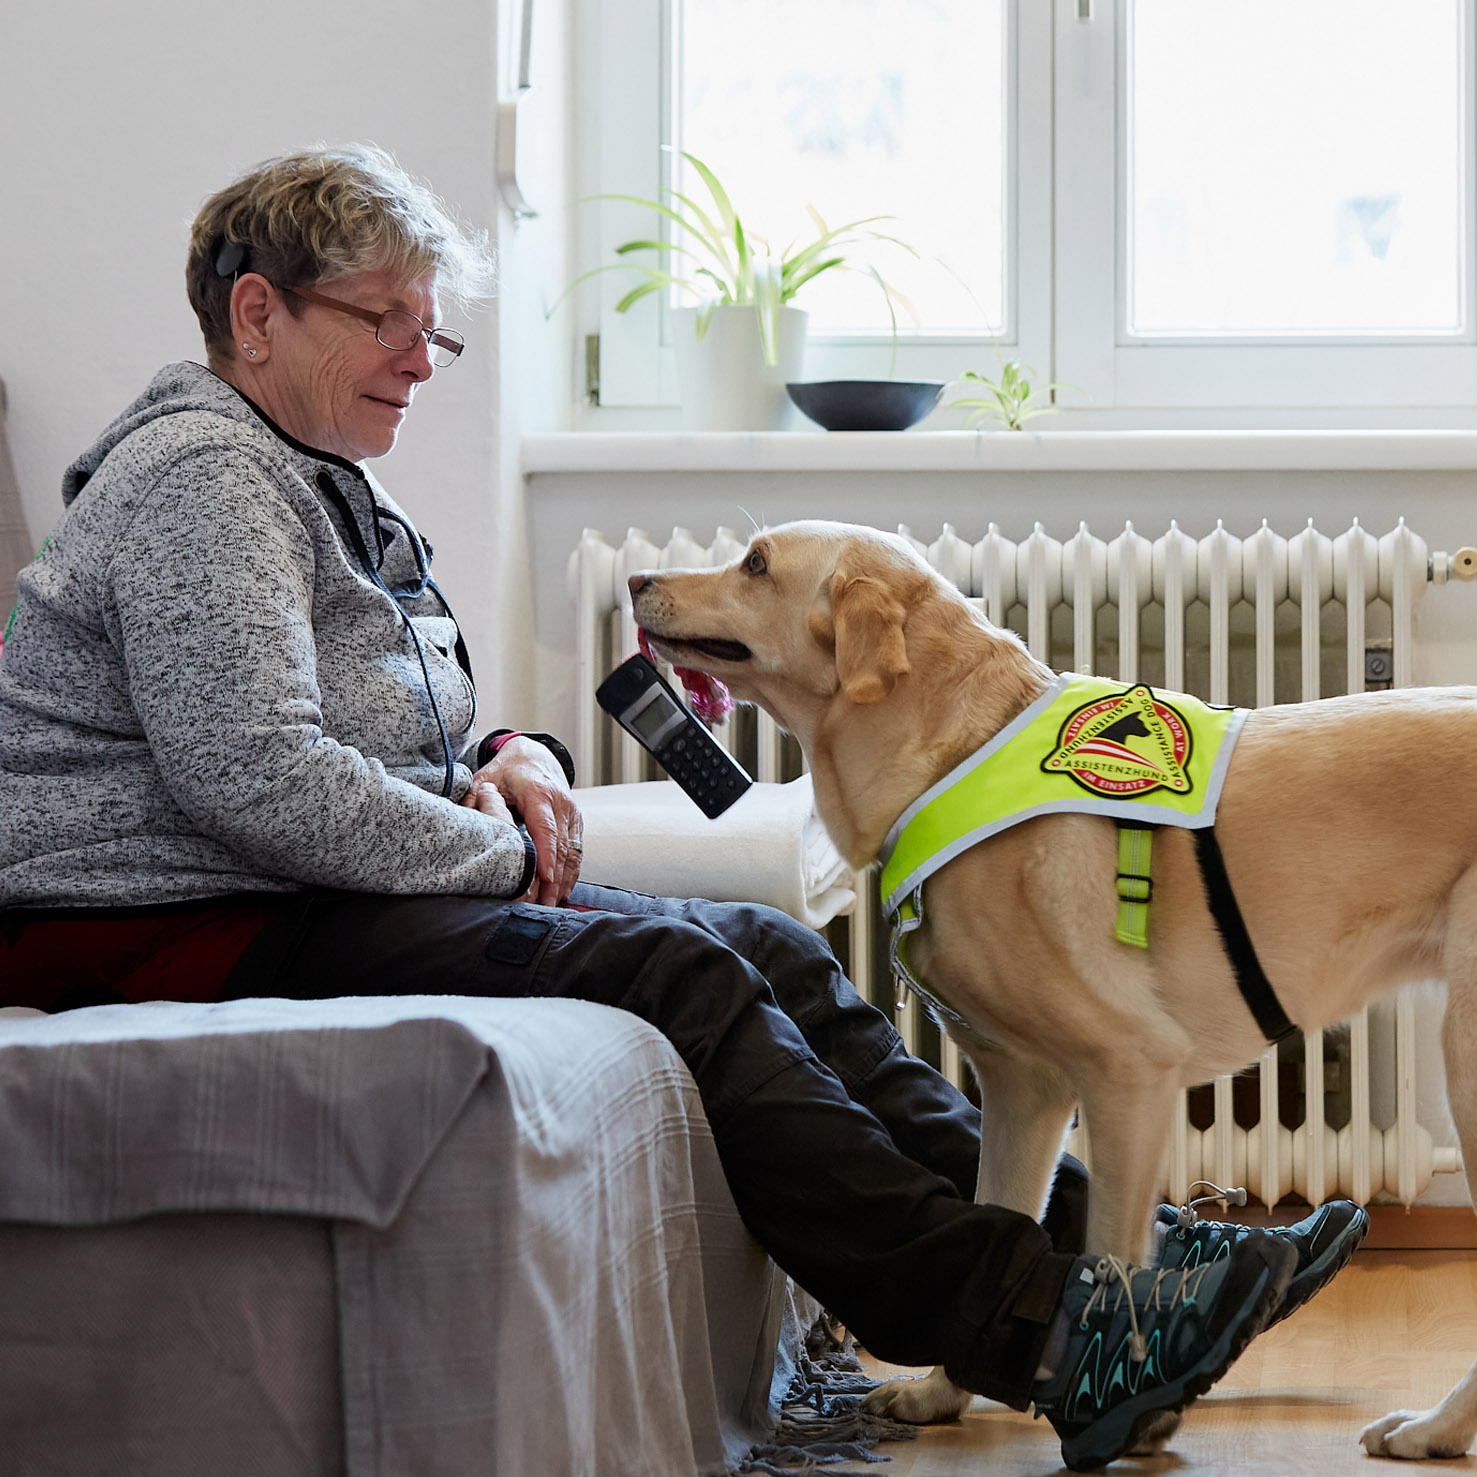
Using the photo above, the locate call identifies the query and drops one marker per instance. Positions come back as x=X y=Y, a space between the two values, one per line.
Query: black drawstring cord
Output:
x=329 y=488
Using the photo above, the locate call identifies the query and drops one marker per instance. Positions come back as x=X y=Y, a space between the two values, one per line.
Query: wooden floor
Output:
x=1395 y=1329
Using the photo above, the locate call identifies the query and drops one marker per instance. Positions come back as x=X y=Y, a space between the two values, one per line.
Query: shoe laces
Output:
x=1190 y=1210
x=1114 y=1278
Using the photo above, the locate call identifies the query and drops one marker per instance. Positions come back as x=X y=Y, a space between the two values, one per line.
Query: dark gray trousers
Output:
x=852 y=1162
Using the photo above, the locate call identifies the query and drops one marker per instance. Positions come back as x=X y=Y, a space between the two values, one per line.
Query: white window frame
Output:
x=1093 y=347
x=627 y=63
x=1065 y=190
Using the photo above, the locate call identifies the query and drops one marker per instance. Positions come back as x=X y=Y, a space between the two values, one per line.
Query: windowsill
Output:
x=1020 y=451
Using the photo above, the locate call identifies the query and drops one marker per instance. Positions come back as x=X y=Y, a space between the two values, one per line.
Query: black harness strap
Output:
x=1256 y=989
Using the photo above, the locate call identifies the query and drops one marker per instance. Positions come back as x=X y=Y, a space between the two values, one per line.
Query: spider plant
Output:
x=720 y=261
x=1006 y=399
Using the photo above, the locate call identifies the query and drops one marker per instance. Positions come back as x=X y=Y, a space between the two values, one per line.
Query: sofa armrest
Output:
x=769 y=847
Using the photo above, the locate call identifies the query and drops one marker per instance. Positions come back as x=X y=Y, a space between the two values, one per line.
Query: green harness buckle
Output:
x=1135 y=885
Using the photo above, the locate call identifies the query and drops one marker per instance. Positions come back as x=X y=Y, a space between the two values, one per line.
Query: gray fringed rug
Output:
x=821 y=1419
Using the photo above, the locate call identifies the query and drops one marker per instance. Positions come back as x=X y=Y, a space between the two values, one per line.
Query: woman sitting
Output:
x=240 y=755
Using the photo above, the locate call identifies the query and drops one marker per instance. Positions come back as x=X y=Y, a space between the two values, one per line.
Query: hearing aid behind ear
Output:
x=228 y=262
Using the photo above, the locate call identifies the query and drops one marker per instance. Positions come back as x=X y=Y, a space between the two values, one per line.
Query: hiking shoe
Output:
x=1142 y=1343
x=1324 y=1242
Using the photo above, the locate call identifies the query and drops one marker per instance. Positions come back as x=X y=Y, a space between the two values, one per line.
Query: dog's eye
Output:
x=755 y=563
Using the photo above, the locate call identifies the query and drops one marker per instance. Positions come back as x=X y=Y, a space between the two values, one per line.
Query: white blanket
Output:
x=770 y=847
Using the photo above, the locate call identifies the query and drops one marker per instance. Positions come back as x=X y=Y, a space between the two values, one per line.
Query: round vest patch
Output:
x=1123 y=745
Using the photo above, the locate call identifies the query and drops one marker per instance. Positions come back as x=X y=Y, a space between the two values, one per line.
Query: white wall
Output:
x=536 y=363
x=118 y=120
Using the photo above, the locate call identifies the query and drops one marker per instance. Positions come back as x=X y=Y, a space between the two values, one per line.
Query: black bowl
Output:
x=866 y=405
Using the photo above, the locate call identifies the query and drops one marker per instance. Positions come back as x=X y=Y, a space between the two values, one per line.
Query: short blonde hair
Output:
x=322 y=214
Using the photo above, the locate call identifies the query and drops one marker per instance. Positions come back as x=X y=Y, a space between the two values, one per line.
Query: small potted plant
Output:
x=742 y=340
x=1005 y=400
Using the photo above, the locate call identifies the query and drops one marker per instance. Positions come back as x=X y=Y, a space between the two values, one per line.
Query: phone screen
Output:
x=653 y=717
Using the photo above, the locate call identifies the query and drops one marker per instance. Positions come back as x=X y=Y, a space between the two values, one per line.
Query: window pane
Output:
x=1295 y=167
x=859 y=108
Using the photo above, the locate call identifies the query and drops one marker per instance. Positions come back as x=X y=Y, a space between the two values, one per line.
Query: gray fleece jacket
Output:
x=205 y=691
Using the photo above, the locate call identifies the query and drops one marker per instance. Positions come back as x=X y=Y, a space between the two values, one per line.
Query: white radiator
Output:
x=1248 y=620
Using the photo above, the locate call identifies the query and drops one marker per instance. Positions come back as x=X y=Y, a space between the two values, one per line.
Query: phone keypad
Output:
x=702 y=769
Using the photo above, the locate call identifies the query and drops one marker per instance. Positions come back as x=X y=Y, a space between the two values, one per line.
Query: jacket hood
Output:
x=184 y=386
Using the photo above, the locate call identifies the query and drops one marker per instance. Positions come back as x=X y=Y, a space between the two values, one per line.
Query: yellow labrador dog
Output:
x=1336 y=824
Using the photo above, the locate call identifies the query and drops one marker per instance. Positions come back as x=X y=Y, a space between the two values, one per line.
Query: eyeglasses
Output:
x=395 y=329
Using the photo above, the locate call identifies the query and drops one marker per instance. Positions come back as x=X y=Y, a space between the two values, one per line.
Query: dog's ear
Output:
x=867 y=623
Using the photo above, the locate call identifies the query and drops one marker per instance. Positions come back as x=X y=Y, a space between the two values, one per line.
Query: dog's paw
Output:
x=1153 y=1436
x=925 y=1401
x=1414 y=1435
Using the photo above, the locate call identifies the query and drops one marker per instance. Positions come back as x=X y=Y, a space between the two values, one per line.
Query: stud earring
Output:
x=250 y=351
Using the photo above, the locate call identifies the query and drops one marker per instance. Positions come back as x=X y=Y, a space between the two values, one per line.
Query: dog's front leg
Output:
x=1128 y=1116
x=1025 y=1106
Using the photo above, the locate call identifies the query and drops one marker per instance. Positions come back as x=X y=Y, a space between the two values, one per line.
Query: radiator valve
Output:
x=1460 y=566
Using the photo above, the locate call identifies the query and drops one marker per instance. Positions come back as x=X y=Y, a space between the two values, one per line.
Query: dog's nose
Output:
x=637 y=583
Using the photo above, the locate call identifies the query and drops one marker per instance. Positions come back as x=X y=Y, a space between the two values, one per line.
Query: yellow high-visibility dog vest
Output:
x=1139 y=756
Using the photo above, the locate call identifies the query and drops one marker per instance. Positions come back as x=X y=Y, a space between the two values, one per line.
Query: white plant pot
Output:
x=722 y=379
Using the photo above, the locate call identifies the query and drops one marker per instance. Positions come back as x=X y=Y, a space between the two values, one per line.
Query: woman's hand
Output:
x=527 y=778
